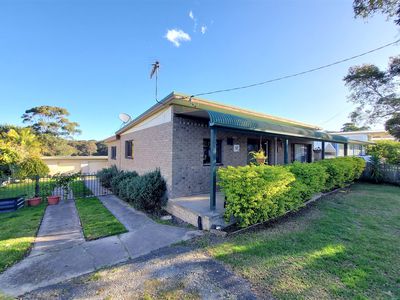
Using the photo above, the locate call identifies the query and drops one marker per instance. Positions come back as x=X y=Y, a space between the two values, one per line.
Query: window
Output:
x=207 y=152
x=129 y=149
x=301 y=153
x=114 y=152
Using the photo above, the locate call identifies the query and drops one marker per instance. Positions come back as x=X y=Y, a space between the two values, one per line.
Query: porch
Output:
x=195 y=210
x=214 y=139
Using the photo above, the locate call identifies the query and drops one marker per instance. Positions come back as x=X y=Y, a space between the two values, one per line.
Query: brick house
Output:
x=189 y=138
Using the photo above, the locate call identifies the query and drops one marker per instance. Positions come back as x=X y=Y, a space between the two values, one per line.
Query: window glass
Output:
x=114 y=152
x=129 y=149
x=300 y=152
x=207 y=151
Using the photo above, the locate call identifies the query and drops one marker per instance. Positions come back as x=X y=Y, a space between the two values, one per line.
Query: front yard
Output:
x=17 y=233
x=345 y=246
x=97 y=221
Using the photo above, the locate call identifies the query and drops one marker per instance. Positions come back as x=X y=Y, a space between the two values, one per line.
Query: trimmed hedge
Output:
x=120 y=181
x=342 y=171
x=254 y=192
x=146 y=192
x=258 y=193
x=106 y=175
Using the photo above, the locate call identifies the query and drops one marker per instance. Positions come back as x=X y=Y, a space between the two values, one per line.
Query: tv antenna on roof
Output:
x=125 y=118
x=154 y=71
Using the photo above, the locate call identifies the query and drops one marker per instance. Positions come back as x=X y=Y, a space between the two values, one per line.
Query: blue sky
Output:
x=94 y=57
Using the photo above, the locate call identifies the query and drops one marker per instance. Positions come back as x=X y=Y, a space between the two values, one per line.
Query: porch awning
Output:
x=249 y=124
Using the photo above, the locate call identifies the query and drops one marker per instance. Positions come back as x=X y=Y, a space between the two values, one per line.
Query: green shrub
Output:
x=257 y=193
x=310 y=178
x=147 y=192
x=254 y=193
x=31 y=167
x=119 y=183
x=106 y=175
x=336 y=171
x=359 y=167
x=342 y=171
x=388 y=150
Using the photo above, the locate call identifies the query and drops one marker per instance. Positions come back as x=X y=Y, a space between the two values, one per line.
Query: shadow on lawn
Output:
x=343 y=250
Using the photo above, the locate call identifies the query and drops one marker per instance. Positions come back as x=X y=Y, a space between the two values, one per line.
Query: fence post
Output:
x=37 y=186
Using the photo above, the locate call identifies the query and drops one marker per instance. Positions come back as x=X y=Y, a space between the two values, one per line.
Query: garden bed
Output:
x=11 y=204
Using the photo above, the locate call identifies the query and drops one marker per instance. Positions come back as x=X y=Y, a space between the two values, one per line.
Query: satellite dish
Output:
x=124 y=117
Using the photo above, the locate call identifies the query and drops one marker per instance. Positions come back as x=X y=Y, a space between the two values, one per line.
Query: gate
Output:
x=83 y=185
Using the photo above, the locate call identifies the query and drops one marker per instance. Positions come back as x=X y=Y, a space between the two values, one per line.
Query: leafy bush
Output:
x=254 y=193
x=119 y=183
x=342 y=171
x=31 y=167
x=376 y=174
x=106 y=175
x=258 y=193
x=312 y=178
x=147 y=192
x=388 y=150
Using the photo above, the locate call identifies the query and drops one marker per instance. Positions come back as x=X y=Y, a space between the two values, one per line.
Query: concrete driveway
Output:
x=60 y=251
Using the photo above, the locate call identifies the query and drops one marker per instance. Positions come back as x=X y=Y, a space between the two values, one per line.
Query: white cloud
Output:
x=203 y=29
x=191 y=16
x=176 y=36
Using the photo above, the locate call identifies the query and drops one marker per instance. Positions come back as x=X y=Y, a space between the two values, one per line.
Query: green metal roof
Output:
x=250 y=124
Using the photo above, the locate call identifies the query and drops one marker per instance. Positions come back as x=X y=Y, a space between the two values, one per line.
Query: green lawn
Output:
x=79 y=189
x=96 y=220
x=26 y=188
x=345 y=246
x=17 y=233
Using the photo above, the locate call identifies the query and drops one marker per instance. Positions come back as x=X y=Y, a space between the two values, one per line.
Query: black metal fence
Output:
x=387 y=173
x=84 y=185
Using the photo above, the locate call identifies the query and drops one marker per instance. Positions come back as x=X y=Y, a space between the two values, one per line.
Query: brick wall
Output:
x=176 y=148
x=152 y=149
x=189 y=175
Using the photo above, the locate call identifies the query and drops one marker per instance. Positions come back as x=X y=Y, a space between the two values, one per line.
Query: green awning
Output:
x=240 y=123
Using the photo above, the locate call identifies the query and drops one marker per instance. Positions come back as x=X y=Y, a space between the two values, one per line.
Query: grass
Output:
x=345 y=246
x=17 y=233
x=97 y=221
x=79 y=189
x=26 y=188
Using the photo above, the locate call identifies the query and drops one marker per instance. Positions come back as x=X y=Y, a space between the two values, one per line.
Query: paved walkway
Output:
x=60 y=251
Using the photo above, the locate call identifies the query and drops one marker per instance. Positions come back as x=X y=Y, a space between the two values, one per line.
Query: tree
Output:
x=388 y=150
x=350 y=126
x=375 y=92
x=31 y=167
x=367 y=8
x=16 y=145
x=50 y=120
x=102 y=149
x=84 y=148
x=55 y=146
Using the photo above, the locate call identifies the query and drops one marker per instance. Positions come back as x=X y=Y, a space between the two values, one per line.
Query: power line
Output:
x=295 y=74
x=337 y=114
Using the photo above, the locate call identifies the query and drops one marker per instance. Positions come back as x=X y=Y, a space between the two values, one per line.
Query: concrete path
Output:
x=60 y=252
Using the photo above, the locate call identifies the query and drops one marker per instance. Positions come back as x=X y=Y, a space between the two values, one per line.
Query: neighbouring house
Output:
x=368 y=135
x=355 y=149
x=188 y=138
x=74 y=164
